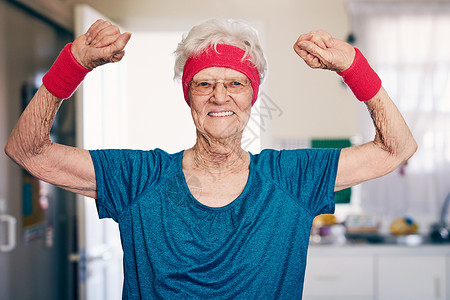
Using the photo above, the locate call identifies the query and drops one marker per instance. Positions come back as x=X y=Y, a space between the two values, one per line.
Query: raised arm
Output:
x=393 y=144
x=29 y=144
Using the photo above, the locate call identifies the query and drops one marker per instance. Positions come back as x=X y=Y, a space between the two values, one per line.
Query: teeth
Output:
x=221 y=114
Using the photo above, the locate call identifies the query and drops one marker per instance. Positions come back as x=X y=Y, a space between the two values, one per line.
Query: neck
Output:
x=219 y=155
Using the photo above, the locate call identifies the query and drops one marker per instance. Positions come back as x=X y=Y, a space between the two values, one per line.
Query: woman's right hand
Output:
x=101 y=44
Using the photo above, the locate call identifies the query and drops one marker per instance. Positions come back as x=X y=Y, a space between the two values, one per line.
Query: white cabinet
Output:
x=378 y=273
x=339 y=277
x=411 y=277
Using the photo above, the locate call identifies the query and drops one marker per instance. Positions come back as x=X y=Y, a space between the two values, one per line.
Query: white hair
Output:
x=217 y=31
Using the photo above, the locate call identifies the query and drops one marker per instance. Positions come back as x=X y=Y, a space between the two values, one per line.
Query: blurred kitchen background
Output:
x=389 y=238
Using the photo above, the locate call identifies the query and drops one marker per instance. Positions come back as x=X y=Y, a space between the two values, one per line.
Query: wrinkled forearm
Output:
x=31 y=135
x=30 y=146
x=392 y=146
x=392 y=133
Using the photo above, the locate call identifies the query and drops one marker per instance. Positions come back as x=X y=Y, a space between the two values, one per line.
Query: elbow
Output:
x=23 y=145
x=409 y=151
x=10 y=149
x=414 y=148
x=400 y=151
x=20 y=151
x=24 y=157
x=13 y=151
x=392 y=159
x=402 y=157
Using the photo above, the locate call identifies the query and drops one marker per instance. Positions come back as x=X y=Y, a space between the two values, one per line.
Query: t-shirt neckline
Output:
x=197 y=203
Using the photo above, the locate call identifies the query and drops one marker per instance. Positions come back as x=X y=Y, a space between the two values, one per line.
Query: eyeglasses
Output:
x=206 y=87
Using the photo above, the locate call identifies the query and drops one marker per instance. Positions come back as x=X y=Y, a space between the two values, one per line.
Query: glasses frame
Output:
x=225 y=84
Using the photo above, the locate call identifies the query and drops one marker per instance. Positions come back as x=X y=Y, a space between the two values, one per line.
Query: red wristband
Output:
x=65 y=75
x=361 y=78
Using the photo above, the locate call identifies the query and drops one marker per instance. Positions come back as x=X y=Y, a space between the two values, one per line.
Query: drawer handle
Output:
x=10 y=222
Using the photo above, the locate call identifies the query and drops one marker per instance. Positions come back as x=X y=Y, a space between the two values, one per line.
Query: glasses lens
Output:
x=202 y=87
x=236 y=86
x=207 y=87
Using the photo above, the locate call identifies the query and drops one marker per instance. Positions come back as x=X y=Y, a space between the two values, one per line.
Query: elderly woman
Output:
x=241 y=228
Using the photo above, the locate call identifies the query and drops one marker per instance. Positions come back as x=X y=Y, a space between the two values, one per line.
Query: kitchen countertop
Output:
x=373 y=249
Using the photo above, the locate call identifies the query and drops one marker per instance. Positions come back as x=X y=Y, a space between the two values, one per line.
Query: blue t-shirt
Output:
x=177 y=248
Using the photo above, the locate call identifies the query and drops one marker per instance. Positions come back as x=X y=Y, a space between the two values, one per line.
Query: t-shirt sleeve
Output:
x=121 y=175
x=309 y=175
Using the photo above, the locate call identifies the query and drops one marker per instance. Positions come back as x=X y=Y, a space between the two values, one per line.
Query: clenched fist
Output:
x=101 y=44
x=320 y=50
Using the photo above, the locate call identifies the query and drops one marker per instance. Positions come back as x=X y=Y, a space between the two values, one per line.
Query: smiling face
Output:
x=221 y=114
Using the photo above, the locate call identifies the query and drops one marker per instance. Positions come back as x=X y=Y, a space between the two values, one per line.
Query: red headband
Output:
x=222 y=56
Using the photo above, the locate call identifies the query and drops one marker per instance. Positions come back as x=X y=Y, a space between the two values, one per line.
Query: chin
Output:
x=224 y=133
x=221 y=128
x=231 y=130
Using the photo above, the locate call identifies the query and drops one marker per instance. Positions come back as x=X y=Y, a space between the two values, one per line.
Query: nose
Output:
x=220 y=93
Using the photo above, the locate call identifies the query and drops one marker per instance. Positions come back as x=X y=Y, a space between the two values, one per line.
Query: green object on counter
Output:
x=343 y=196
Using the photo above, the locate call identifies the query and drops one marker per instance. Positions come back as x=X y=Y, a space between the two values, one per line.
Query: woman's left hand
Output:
x=322 y=51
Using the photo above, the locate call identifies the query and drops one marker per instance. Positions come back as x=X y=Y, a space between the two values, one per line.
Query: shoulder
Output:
x=128 y=157
x=294 y=154
x=289 y=162
x=130 y=153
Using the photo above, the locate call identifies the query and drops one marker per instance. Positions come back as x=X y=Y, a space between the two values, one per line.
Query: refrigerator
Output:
x=37 y=221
